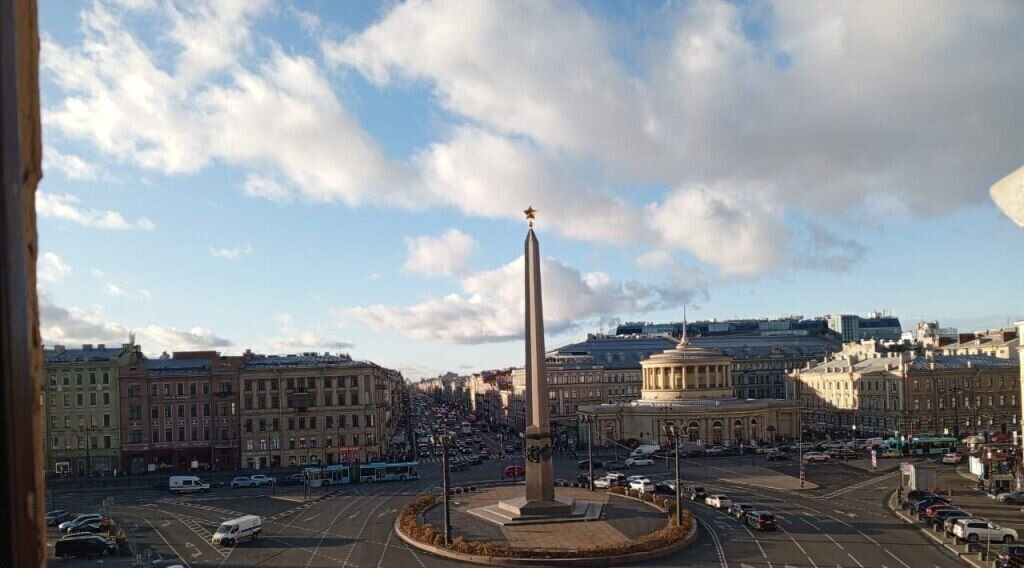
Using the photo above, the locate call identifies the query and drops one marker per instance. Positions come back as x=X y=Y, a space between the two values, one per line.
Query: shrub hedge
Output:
x=410 y=524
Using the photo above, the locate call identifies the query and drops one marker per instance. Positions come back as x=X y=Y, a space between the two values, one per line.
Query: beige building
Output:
x=1002 y=343
x=888 y=388
x=315 y=409
x=692 y=387
x=81 y=407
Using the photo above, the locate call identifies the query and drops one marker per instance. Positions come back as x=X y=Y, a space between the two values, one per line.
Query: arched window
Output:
x=737 y=430
x=716 y=432
x=693 y=431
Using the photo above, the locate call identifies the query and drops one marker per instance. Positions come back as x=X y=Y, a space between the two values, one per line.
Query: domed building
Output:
x=691 y=387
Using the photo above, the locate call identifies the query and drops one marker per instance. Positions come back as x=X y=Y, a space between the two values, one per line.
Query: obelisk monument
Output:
x=540 y=483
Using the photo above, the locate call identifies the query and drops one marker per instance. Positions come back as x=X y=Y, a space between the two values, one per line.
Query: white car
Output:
x=980 y=530
x=602 y=483
x=639 y=461
x=642 y=485
x=243 y=482
x=79 y=520
x=951 y=458
x=261 y=479
x=715 y=451
x=718 y=501
x=816 y=457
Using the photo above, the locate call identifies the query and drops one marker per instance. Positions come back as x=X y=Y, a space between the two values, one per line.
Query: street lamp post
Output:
x=445 y=442
x=853 y=435
x=674 y=432
x=588 y=419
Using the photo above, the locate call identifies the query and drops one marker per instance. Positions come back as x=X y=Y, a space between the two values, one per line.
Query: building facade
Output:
x=180 y=412
x=314 y=410
x=888 y=388
x=81 y=411
x=691 y=387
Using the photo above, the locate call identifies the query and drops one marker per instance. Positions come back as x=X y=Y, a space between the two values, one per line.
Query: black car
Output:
x=740 y=510
x=54 y=518
x=460 y=466
x=915 y=495
x=1010 y=556
x=585 y=464
x=918 y=507
x=667 y=487
x=84 y=545
x=777 y=456
x=583 y=478
x=615 y=465
x=475 y=460
x=762 y=521
x=694 y=493
x=938 y=520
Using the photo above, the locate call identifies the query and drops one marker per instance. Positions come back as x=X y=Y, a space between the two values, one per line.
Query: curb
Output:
x=619 y=560
x=890 y=503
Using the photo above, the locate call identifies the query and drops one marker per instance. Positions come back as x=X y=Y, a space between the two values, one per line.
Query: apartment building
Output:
x=180 y=412
x=81 y=413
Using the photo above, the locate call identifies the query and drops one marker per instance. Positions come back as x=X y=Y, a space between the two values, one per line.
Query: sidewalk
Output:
x=759 y=476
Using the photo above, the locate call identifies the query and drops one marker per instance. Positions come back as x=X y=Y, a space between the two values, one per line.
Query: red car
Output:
x=930 y=511
x=515 y=471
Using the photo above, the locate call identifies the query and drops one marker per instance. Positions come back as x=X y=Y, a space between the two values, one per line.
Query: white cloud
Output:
x=655 y=260
x=72 y=326
x=232 y=253
x=291 y=338
x=439 y=256
x=178 y=115
x=66 y=208
x=73 y=167
x=267 y=188
x=120 y=292
x=50 y=268
x=490 y=305
x=488 y=175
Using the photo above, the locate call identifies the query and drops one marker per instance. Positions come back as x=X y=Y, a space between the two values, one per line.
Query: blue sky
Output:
x=291 y=176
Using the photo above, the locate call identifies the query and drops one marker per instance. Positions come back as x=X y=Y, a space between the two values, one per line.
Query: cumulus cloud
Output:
x=66 y=208
x=656 y=260
x=439 y=256
x=490 y=304
x=50 y=268
x=179 y=113
x=73 y=167
x=120 y=292
x=291 y=338
x=233 y=253
x=74 y=326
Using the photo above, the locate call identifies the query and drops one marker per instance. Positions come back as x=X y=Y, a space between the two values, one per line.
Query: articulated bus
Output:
x=923 y=445
x=337 y=474
x=381 y=471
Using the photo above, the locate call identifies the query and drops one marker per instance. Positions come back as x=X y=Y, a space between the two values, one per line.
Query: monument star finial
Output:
x=531 y=214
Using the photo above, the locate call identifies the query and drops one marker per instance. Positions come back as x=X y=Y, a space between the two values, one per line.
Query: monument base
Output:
x=519 y=511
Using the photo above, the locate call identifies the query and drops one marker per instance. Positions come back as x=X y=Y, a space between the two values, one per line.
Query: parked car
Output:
x=979 y=530
x=584 y=478
x=950 y=524
x=603 y=483
x=938 y=520
x=642 y=485
x=930 y=510
x=261 y=479
x=777 y=456
x=585 y=464
x=1010 y=556
x=243 y=482
x=951 y=458
x=718 y=501
x=514 y=471
x=84 y=545
x=1015 y=498
x=715 y=451
x=91 y=527
x=667 y=487
x=615 y=465
x=694 y=493
x=66 y=526
x=54 y=518
x=913 y=497
x=740 y=510
x=630 y=462
x=759 y=520
x=920 y=506
x=816 y=457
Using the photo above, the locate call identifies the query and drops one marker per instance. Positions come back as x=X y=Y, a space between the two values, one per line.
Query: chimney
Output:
x=101 y=346
x=87 y=347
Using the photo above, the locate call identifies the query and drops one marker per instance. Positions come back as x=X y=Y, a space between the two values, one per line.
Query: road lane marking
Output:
x=855 y=560
x=871 y=539
x=898 y=559
x=834 y=541
x=718 y=543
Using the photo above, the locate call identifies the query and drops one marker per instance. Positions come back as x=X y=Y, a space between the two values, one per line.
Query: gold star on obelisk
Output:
x=531 y=214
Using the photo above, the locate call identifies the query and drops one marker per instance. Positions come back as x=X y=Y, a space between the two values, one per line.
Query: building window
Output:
x=248 y=426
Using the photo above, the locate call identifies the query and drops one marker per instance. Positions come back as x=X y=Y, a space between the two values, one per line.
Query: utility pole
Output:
x=588 y=420
x=674 y=432
x=445 y=441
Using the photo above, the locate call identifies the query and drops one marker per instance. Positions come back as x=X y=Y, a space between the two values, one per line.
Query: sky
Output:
x=289 y=176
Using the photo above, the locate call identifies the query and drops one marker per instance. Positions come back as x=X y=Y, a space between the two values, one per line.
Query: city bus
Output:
x=337 y=474
x=923 y=445
x=381 y=471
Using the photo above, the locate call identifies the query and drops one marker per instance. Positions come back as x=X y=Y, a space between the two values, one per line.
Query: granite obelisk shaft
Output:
x=539 y=476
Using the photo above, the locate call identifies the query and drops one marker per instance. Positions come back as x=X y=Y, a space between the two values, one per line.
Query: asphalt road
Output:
x=843 y=523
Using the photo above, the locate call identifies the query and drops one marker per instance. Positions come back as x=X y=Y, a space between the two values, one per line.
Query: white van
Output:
x=644 y=451
x=187 y=484
x=234 y=531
